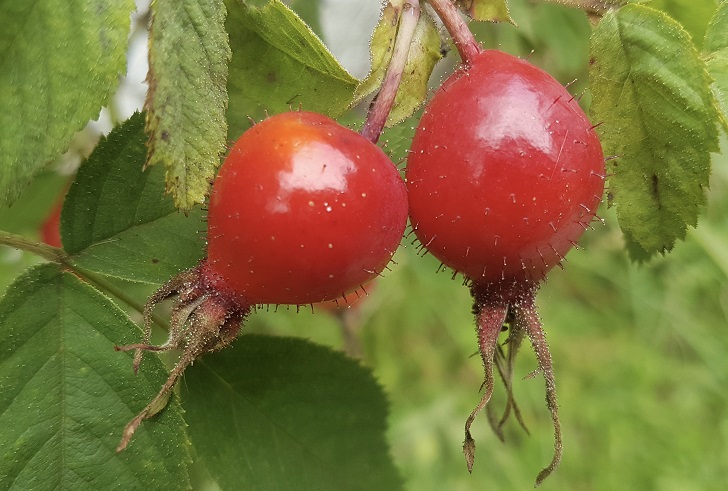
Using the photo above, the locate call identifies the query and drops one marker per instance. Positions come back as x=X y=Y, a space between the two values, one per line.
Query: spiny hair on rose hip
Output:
x=303 y=210
x=504 y=175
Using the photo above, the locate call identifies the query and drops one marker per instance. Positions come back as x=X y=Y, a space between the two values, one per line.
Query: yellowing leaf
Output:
x=486 y=10
x=424 y=53
x=187 y=96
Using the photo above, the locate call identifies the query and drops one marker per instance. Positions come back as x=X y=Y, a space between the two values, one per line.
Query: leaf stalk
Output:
x=384 y=100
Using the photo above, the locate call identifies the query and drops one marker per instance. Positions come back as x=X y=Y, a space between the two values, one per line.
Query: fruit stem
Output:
x=58 y=255
x=382 y=104
x=489 y=319
x=49 y=253
x=462 y=36
x=527 y=317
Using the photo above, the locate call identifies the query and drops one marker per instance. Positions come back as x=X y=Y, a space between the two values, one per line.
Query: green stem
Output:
x=103 y=284
x=50 y=253
x=57 y=255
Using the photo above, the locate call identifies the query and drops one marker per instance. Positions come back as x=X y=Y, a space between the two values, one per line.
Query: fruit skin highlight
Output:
x=303 y=210
x=504 y=174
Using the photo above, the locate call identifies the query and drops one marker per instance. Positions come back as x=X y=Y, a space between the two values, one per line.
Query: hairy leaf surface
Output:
x=652 y=92
x=116 y=219
x=66 y=394
x=715 y=47
x=59 y=64
x=187 y=99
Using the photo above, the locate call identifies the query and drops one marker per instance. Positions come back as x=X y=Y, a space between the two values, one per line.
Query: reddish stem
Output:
x=383 y=102
x=490 y=318
x=461 y=35
x=527 y=316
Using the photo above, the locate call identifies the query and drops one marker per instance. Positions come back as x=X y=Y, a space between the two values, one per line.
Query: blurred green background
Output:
x=640 y=351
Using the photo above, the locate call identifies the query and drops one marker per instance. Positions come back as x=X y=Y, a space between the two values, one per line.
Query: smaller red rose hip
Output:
x=302 y=211
x=504 y=175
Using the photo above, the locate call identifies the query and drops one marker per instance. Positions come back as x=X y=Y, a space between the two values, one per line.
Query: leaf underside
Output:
x=59 y=64
x=187 y=97
x=652 y=92
x=66 y=394
x=423 y=55
x=486 y=10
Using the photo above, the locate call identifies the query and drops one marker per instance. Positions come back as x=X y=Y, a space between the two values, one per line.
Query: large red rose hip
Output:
x=504 y=175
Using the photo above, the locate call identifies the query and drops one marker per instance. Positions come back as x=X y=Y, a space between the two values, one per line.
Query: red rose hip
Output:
x=504 y=175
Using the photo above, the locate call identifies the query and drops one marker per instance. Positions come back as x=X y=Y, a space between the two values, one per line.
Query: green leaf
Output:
x=486 y=10
x=59 y=64
x=715 y=46
x=66 y=394
x=116 y=219
x=279 y=63
x=187 y=98
x=284 y=414
x=651 y=90
x=423 y=55
x=381 y=48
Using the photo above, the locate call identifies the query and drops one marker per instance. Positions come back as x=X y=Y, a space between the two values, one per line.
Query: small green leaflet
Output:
x=652 y=91
x=284 y=414
x=278 y=63
x=116 y=220
x=187 y=99
x=59 y=64
x=715 y=47
x=65 y=394
x=424 y=53
x=486 y=10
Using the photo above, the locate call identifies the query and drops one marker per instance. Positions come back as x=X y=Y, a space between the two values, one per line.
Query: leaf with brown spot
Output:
x=187 y=98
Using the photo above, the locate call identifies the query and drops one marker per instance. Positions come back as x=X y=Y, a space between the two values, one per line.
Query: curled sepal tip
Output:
x=203 y=320
x=527 y=317
x=489 y=322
